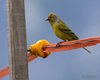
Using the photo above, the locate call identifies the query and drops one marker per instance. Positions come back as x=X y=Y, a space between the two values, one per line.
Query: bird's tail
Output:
x=87 y=50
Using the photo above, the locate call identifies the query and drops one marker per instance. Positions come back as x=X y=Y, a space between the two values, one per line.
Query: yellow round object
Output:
x=37 y=48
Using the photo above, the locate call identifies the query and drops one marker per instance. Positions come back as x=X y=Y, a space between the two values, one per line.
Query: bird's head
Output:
x=52 y=18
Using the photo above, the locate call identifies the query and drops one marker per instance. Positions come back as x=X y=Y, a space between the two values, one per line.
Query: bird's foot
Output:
x=58 y=44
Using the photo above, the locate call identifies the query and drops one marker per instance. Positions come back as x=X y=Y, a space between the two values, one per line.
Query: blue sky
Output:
x=82 y=16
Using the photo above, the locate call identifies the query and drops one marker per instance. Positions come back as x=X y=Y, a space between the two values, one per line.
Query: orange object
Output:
x=69 y=45
x=4 y=72
x=63 y=46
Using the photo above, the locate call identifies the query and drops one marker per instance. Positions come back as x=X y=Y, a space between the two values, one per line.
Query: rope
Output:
x=37 y=49
x=42 y=48
x=5 y=71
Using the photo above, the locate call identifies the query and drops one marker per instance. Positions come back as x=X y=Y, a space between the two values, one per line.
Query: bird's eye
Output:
x=50 y=17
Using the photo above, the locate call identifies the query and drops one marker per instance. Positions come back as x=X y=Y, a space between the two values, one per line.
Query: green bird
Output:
x=61 y=30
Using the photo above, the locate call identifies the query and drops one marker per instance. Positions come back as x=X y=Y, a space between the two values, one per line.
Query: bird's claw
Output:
x=58 y=44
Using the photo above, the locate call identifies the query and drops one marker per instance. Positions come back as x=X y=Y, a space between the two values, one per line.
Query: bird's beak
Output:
x=47 y=20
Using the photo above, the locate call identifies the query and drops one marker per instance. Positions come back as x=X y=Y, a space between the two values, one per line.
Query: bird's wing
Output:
x=63 y=28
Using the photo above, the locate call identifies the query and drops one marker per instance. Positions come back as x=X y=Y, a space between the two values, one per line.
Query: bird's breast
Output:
x=59 y=34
